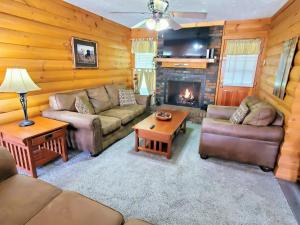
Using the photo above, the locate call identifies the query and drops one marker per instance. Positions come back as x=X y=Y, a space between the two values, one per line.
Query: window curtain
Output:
x=145 y=46
x=243 y=47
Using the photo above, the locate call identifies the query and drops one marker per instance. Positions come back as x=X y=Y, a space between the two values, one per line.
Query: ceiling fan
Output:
x=161 y=18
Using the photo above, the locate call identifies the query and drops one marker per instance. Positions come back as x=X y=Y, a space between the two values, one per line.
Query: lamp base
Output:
x=25 y=123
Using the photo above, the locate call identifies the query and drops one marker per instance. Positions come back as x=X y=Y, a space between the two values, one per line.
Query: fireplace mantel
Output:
x=184 y=62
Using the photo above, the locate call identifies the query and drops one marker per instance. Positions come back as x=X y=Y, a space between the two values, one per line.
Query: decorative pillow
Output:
x=126 y=97
x=65 y=101
x=239 y=115
x=113 y=93
x=83 y=105
x=99 y=99
x=261 y=114
x=251 y=101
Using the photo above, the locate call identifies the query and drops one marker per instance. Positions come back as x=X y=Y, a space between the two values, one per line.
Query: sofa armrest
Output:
x=220 y=112
x=143 y=99
x=225 y=128
x=75 y=119
x=85 y=132
x=7 y=165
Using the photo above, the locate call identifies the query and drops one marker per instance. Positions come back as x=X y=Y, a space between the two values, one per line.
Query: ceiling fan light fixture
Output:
x=151 y=24
x=162 y=24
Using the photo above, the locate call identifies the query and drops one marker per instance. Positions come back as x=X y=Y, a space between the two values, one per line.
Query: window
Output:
x=144 y=61
x=144 y=90
x=240 y=62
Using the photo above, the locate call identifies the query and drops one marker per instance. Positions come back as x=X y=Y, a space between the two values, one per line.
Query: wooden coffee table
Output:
x=156 y=136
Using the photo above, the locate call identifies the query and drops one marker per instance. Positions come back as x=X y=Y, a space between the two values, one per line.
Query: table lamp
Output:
x=19 y=81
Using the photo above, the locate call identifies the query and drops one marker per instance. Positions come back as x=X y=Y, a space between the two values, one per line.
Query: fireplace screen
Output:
x=183 y=93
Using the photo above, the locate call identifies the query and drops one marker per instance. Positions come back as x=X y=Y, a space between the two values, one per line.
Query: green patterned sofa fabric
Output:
x=109 y=124
x=136 y=109
x=124 y=115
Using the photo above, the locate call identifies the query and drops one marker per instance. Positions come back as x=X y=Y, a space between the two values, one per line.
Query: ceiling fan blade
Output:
x=143 y=13
x=140 y=24
x=174 y=25
x=196 y=15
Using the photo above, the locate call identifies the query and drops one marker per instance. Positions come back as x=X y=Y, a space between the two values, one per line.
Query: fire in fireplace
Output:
x=186 y=97
x=184 y=93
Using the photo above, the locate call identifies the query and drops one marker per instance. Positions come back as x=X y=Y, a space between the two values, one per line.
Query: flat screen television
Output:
x=185 y=43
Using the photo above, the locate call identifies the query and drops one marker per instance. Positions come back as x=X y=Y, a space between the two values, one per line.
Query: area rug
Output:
x=185 y=190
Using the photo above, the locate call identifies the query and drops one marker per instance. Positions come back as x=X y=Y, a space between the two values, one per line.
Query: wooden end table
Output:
x=156 y=136
x=35 y=145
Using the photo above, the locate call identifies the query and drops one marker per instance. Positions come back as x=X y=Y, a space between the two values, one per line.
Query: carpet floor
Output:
x=185 y=190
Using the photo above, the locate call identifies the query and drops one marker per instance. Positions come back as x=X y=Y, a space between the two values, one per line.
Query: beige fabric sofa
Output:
x=110 y=123
x=29 y=201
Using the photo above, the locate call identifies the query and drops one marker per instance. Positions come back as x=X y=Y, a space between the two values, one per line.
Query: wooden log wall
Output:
x=285 y=25
x=36 y=35
x=137 y=33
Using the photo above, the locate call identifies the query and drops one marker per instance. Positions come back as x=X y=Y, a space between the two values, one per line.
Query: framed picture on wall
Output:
x=85 y=53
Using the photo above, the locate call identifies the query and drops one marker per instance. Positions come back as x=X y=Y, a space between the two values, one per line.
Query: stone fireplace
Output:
x=184 y=92
x=174 y=86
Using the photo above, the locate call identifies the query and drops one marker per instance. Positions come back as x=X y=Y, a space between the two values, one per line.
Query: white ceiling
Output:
x=217 y=9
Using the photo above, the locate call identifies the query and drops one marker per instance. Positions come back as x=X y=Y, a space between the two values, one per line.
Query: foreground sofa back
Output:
x=110 y=122
x=257 y=145
x=29 y=201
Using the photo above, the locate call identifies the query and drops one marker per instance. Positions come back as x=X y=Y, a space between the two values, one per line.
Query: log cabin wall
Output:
x=36 y=35
x=285 y=25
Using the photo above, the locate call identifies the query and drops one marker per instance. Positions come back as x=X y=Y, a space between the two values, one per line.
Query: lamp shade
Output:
x=18 y=81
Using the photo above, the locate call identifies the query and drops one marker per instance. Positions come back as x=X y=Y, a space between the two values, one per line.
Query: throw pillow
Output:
x=239 y=115
x=126 y=97
x=99 y=99
x=83 y=105
x=65 y=101
x=113 y=93
x=261 y=114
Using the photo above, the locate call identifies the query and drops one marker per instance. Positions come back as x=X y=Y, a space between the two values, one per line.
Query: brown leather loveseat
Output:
x=251 y=144
x=29 y=201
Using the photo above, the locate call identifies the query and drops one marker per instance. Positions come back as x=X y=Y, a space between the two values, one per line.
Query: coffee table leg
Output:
x=169 y=149
x=184 y=126
x=136 y=141
x=64 y=151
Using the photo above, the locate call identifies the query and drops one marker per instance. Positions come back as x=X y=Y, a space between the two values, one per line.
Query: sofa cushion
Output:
x=99 y=99
x=251 y=101
x=109 y=124
x=261 y=114
x=83 y=105
x=124 y=115
x=126 y=97
x=65 y=101
x=226 y=128
x=113 y=93
x=136 y=109
x=239 y=115
x=23 y=197
x=70 y=208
